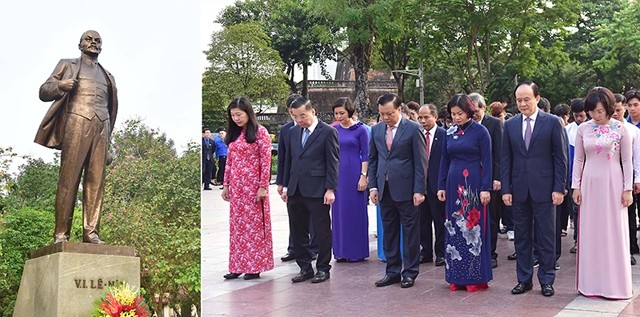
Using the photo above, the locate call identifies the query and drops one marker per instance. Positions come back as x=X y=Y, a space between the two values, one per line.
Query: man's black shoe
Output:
x=440 y=261
x=521 y=288
x=407 y=282
x=320 y=277
x=302 y=276
x=288 y=257
x=547 y=290
x=513 y=256
x=388 y=280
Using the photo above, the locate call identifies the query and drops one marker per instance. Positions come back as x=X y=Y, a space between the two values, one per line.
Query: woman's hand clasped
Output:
x=485 y=197
x=627 y=198
x=225 y=193
x=261 y=194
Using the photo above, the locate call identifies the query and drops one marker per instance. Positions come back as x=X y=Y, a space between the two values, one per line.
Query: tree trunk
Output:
x=361 y=60
x=290 y=78
x=305 y=80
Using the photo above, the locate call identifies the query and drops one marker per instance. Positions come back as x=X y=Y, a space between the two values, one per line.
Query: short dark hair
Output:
x=632 y=94
x=413 y=106
x=346 y=103
x=290 y=99
x=244 y=105
x=301 y=101
x=620 y=98
x=577 y=105
x=389 y=97
x=561 y=110
x=463 y=102
x=600 y=95
x=544 y=104
x=205 y=130
x=534 y=87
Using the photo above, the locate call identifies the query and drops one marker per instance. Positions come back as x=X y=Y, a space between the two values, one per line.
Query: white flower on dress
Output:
x=455 y=255
x=472 y=236
x=462 y=224
x=476 y=247
x=450 y=228
x=452 y=129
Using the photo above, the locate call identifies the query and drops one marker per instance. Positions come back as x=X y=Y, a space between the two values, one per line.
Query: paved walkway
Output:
x=351 y=292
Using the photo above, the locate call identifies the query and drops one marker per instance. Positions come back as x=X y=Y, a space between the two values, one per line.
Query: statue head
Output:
x=90 y=43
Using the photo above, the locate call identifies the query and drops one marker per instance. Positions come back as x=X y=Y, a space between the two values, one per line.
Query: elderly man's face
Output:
x=90 y=43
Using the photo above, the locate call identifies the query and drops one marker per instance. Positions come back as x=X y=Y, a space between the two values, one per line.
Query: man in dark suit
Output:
x=534 y=175
x=283 y=138
x=79 y=123
x=494 y=126
x=432 y=210
x=309 y=181
x=208 y=148
x=397 y=165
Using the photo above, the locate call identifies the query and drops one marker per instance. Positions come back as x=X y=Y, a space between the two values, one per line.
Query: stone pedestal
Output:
x=64 y=279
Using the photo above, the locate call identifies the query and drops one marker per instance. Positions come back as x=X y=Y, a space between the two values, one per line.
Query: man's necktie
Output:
x=305 y=136
x=389 y=137
x=427 y=137
x=527 y=133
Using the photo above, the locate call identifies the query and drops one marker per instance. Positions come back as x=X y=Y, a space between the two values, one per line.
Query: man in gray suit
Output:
x=397 y=180
x=310 y=179
x=79 y=123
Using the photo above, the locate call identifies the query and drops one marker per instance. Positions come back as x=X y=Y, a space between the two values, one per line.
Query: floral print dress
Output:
x=248 y=168
x=465 y=171
x=602 y=171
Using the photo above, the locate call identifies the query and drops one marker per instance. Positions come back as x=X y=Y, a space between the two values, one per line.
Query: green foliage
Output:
x=242 y=63
x=300 y=36
x=34 y=186
x=21 y=231
x=152 y=202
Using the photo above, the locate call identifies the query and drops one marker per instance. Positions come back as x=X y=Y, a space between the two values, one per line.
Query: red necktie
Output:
x=428 y=139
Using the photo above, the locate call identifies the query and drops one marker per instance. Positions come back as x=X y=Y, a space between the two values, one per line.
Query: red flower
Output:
x=472 y=218
x=465 y=173
x=112 y=306
x=465 y=203
x=460 y=131
x=460 y=190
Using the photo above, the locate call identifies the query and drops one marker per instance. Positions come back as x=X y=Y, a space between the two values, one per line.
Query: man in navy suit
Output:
x=397 y=165
x=283 y=138
x=533 y=175
x=432 y=210
x=495 y=127
x=208 y=148
x=309 y=181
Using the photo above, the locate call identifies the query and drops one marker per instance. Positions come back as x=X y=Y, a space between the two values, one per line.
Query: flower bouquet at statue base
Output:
x=121 y=300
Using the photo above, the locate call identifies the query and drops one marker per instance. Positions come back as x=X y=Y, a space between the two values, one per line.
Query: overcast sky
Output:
x=153 y=49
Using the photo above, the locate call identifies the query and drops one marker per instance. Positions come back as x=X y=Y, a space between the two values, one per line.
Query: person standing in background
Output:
x=208 y=148
x=221 y=154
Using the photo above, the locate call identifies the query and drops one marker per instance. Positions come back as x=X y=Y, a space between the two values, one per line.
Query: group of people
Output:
x=456 y=180
x=214 y=157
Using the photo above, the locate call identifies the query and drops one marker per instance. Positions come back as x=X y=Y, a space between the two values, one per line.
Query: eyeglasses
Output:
x=301 y=117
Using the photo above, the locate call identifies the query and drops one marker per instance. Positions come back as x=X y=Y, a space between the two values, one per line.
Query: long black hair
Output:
x=234 y=130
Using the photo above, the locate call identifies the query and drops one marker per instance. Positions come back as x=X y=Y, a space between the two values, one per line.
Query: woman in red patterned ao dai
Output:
x=246 y=187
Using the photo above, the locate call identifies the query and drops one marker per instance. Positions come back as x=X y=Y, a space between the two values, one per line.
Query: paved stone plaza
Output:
x=351 y=290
